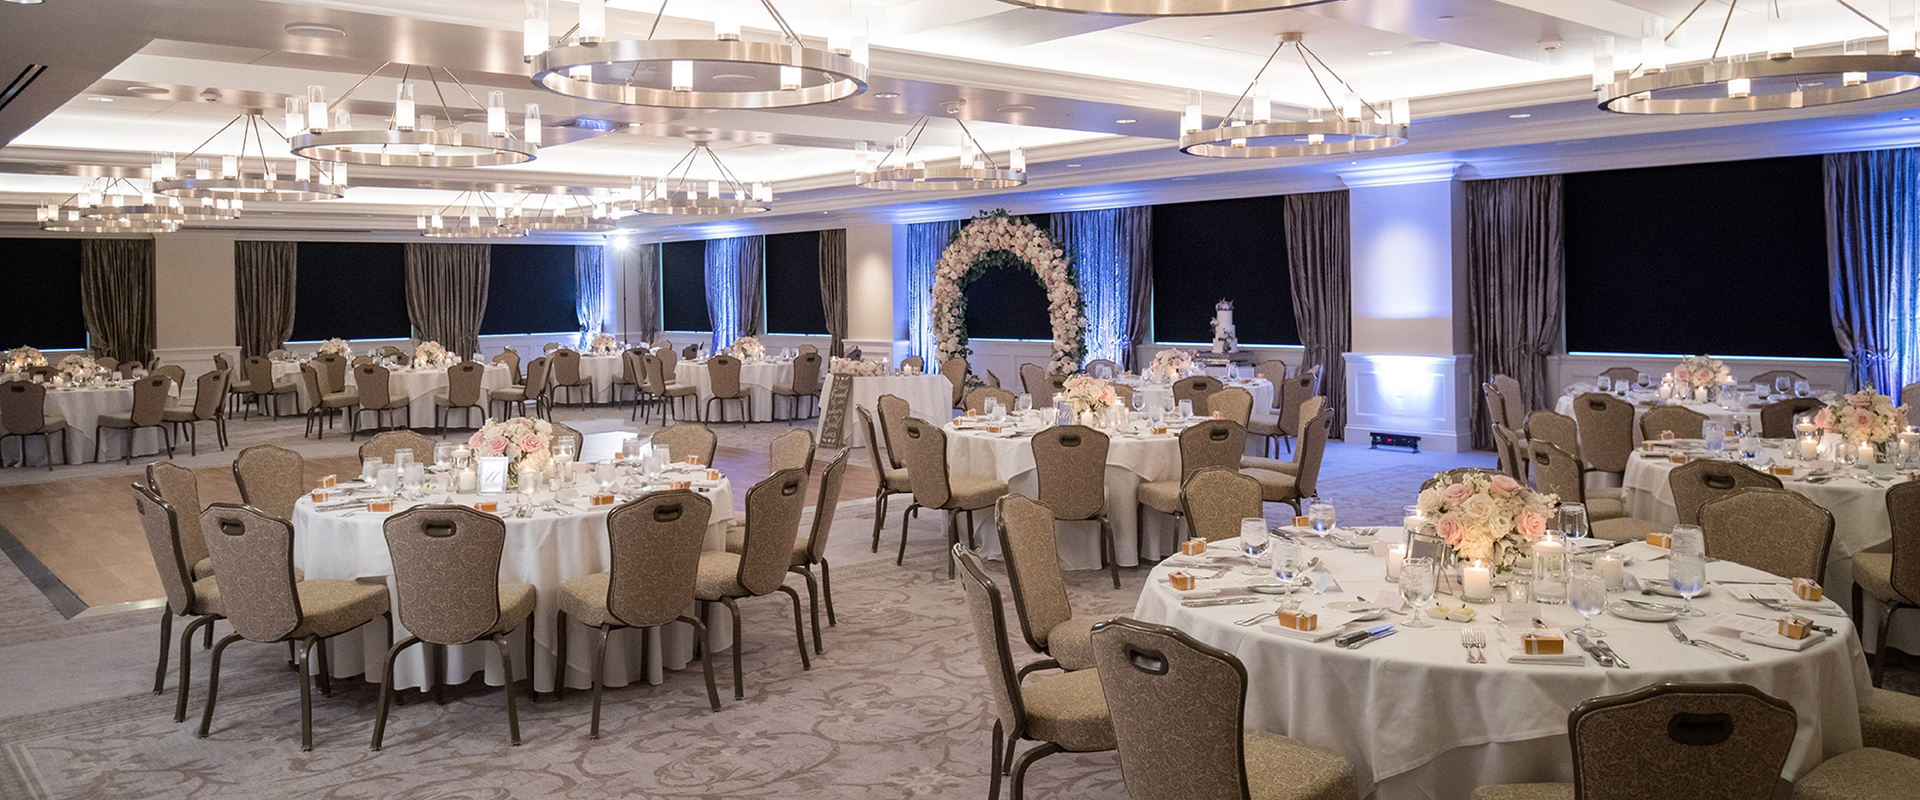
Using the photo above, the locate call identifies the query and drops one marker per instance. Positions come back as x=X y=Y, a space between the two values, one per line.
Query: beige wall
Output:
x=870 y=300
x=1407 y=268
x=194 y=297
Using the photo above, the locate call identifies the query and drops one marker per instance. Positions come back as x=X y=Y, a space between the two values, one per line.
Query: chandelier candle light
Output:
x=476 y=216
x=234 y=183
x=120 y=207
x=898 y=170
x=1164 y=8
x=1249 y=130
x=411 y=139
x=574 y=213
x=679 y=193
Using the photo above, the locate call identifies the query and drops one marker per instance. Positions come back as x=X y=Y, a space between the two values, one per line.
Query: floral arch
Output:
x=998 y=239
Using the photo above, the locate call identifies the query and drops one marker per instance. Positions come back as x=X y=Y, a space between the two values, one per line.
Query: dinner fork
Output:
x=1466 y=641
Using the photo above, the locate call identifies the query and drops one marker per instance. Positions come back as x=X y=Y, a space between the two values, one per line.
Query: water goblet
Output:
x=443 y=455
x=1288 y=566
x=1185 y=408
x=1644 y=381
x=1321 y=517
x=369 y=470
x=1782 y=385
x=1023 y=403
x=1417 y=581
x=603 y=474
x=1573 y=520
x=1603 y=384
x=1254 y=541
x=1587 y=591
x=1687 y=565
x=1138 y=401
x=1802 y=389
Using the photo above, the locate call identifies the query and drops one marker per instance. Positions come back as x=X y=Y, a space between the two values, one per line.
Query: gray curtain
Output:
x=1516 y=260
x=925 y=242
x=733 y=287
x=590 y=287
x=1320 y=270
x=1136 y=232
x=833 y=287
x=263 y=294
x=1873 y=264
x=447 y=292
x=639 y=268
x=1112 y=253
x=117 y=297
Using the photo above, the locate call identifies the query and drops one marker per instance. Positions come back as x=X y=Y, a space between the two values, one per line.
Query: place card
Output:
x=1390 y=600
x=380 y=506
x=486 y=506
x=1520 y=613
x=603 y=500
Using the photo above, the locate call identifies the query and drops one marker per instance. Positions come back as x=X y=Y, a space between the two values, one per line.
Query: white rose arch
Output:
x=998 y=239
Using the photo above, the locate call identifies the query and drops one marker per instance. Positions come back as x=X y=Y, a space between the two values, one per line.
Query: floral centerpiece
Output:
x=527 y=443
x=746 y=347
x=20 y=358
x=857 y=367
x=1169 y=365
x=1868 y=417
x=999 y=239
x=338 y=347
x=603 y=345
x=78 y=367
x=1087 y=393
x=433 y=354
x=1492 y=519
x=1701 y=371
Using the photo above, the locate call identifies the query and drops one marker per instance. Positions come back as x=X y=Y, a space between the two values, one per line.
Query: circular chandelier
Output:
x=119 y=199
x=471 y=215
x=410 y=139
x=1250 y=131
x=723 y=72
x=1745 y=82
x=232 y=182
x=577 y=214
x=1164 y=8
x=679 y=193
x=975 y=169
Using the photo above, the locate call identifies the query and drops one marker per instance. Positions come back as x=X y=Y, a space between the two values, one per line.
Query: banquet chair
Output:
x=1890 y=720
x=127 y=368
x=149 y=411
x=955 y=370
x=935 y=488
x=1558 y=472
x=562 y=433
x=976 y=401
x=662 y=343
x=360 y=361
x=633 y=375
x=723 y=386
x=1496 y=406
x=23 y=413
x=390 y=351
x=1776 y=419
x=210 y=390
x=760 y=568
x=45 y=373
x=807 y=348
x=791 y=450
x=172 y=372
x=322 y=404
x=1070 y=466
x=654 y=543
x=549 y=347
x=1910 y=397
x=1209 y=443
x=1216 y=499
x=1151 y=674
x=690 y=352
x=1683 y=422
x=1232 y=403
x=222 y=363
x=1708 y=739
x=446 y=582
x=266 y=602
x=531 y=390
x=1618 y=375
x=280 y=352
x=373 y=385
x=511 y=358
x=1292 y=392
x=178 y=486
x=270 y=478
x=813 y=550
x=1868 y=772
x=187 y=595
x=563 y=372
x=1892 y=578
x=1606 y=431
x=1196 y=390
x=1303 y=483
x=917 y=363
x=805 y=383
x=1034 y=380
x=1273 y=370
x=1064 y=713
x=463 y=393
x=1771 y=530
x=1506 y=451
x=1453 y=475
x=889 y=473
x=333 y=371
x=385 y=444
x=1120 y=390
x=669 y=393
x=1515 y=401
x=107 y=363
x=1695 y=484
x=684 y=439
x=1308 y=409
x=1103 y=369
x=1029 y=540
x=1556 y=429
x=1768 y=378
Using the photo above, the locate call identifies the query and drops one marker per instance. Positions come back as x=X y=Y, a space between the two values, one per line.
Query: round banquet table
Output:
x=544 y=550
x=1132 y=459
x=601 y=370
x=1644 y=402
x=419 y=385
x=1417 y=721
x=929 y=396
x=1162 y=394
x=757 y=378
x=82 y=409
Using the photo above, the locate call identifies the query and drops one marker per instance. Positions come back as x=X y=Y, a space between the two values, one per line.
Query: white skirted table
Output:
x=1418 y=721
x=419 y=385
x=930 y=397
x=1642 y=403
x=601 y=370
x=83 y=408
x=1162 y=394
x=757 y=379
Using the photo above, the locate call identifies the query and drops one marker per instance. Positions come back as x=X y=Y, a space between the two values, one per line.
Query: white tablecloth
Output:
x=929 y=396
x=1162 y=394
x=544 y=550
x=757 y=377
x=1640 y=409
x=1417 y=721
x=419 y=385
x=82 y=409
x=601 y=370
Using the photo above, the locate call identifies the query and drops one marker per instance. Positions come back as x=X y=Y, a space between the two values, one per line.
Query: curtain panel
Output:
x=117 y=297
x=734 y=269
x=264 y=277
x=833 y=287
x=1112 y=251
x=925 y=242
x=1873 y=246
x=639 y=267
x=447 y=293
x=1320 y=272
x=1516 y=267
x=590 y=288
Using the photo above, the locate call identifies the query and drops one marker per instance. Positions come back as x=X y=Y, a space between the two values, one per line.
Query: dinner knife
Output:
x=1221 y=601
x=1608 y=649
x=1374 y=638
x=1598 y=656
x=1348 y=639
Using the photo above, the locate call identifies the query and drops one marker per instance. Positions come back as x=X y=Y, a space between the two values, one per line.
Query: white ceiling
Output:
x=1494 y=83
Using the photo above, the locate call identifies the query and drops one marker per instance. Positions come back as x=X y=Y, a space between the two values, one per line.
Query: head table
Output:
x=1418 y=721
x=1161 y=394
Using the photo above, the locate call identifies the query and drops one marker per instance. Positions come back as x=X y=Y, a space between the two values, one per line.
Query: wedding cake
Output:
x=1223 y=336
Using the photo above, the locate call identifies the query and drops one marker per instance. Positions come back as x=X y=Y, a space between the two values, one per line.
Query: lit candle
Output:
x=1550 y=547
x=1395 y=555
x=1809 y=448
x=1610 y=570
x=530 y=480
x=1864 y=454
x=1476 y=581
x=1908 y=442
x=1700 y=395
x=467 y=480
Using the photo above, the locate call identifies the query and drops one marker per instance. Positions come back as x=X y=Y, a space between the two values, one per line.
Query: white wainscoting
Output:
x=196 y=360
x=1567 y=369
x=1423 y=395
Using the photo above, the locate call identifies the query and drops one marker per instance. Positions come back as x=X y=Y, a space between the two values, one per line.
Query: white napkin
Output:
x=1332 y=624
x=1783 y=593
x=1515 y=653
x=1775 y=640
x=1641 y=551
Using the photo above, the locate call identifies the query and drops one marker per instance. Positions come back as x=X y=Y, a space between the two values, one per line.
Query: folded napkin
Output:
x=1779 y=642
x=1332 y=623
x=1641 y=551
x=1782 y=593
x=1515 y=653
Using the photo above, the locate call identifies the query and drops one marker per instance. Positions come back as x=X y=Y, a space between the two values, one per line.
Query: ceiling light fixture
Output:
x=899 y=170
x=1518 y=116
x=115 y=205
x=1164 y=8
x=680 y=73
x=886 y=96
x=1358 y=127
x=314 y=30
x=574 y=213
x=119 y=199
x=232 y=182
x=471 y=215
x=678 y=193
x=1750 y=82
x=411 y=139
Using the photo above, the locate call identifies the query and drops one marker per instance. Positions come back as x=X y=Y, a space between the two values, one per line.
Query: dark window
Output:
x=1009 y=302
x=792 y=284
x=350 y=290
x=532 y=290
x=46 y=274
x=1726 y=259
x=1223 y=249
x=683 y=287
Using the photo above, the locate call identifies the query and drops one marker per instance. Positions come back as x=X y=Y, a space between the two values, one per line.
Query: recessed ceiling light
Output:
x=101 y=99
x=1014 y=109
x=25 y=2
x=1518 y=116
x=149 y=91
x=1207 y=38
x=1444 y=16
x=1183 y=179
x=314 y=30
x=1073 y=166
x=1379 y=52
x=885 y=95
x=1125 y=121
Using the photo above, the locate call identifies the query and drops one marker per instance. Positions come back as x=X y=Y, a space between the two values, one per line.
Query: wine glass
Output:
x=1802 y=389
x=1782 y=385
x=1687 y=565
x=1139 y=401
x=369 y=470
x=1155 y=414
x=443 y=455
x=1186 y=408
x=1321 y=517
x=1604 y=384
x=1573 y=520
x=990 y=406
x=603 y=474
x=1587 y=591
x=1416 y=587
x=1288 y=567
x=1023 y=404
x=1644 y=381
x=1254 y=542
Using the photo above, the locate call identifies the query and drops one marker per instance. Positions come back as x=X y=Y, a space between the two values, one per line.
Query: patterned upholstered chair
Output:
x=1515 y=402
x=270 y=478
x=23 y=413
x=774 y=506
x=955 y=370
x=511 y=358
x=1496 y=406
x=374 y=384
x=1771 y=530
x=662 y=343
x=1892 y=578
x=791 y=450
x=178 y=486
x=1035 y=382
x=1196 y=390
x=1606 y=431
x=1709 y=740
x=723 y=386
x=1776 y=419
x=1308 y=409
x=1910 y=397
x=1070 y=466
x=383 y=445
x=1274 y=371
x=333 y=371
x=1121 y=391
x=1210 y=443
x=1556 y=429
x=1232 y=403
x=210 y=390
x=566 y=433
x=266 y=602
x=813 y=549
x=463 y=394
x=1697 y=483
x=1890 y=720
x=446 y=571
x=917 y=363
x=125 y=369
x=889 y=473
x=322 y=405
x=1868 y=772
x=563 y=374
x=993 y=380
x=108 y=363
x=632 y=376
x=532 y=390
x=1029 y=540
x=1304 y=482
x=1506 y=451
x=1216 y=499
x=1558 y=472
x=149 y=411
x=935 y=488
x=1621 y=374
x=187 y=596
x=1290 y=393
x=976 y=400
x=1768 y=378
x=660 y=382
x=684 y=439
x=1103 y=369
x=1064 y=713
x=1153 y=673
x=1682 y=422
x=806 y=383
x=172 y=372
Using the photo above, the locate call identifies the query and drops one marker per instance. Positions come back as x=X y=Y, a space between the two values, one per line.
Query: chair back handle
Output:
x=1151 y=662
x=1700 y=730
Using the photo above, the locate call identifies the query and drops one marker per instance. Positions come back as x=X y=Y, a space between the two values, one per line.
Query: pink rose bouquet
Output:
x=1868 y=417
x=1087 y=393
x=1700 y=371
x=1493 y=519
x=527 y=443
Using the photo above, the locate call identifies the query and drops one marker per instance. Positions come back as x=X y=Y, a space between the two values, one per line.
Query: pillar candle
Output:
x=1394 y=556
x=1864 y=454
x=1476 y=581
x=1809 y=449
x=1610 y=570
x=1700 y=395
